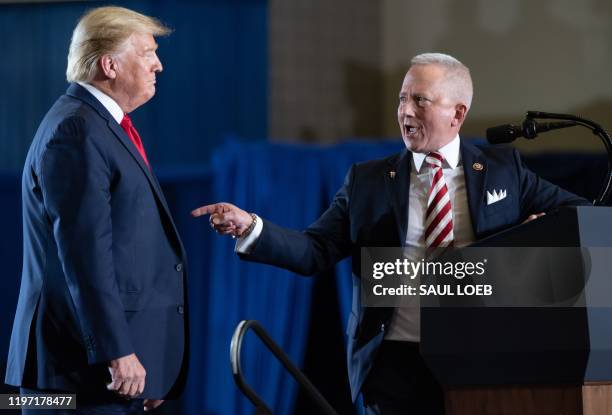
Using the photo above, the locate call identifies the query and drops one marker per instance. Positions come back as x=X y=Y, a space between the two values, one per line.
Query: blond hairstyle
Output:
x=103 y=31
x=456 y=73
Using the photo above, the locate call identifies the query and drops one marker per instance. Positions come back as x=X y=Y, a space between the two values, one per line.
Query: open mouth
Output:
x=410 y=130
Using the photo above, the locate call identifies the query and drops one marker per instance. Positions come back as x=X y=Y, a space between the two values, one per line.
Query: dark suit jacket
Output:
x=103 y=266
x=371 y=209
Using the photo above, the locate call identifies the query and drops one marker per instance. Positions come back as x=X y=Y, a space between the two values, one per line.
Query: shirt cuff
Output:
x=245 y=245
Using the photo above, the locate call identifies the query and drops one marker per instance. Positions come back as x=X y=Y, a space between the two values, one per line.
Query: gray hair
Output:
x=457 y=73
x=103 y=31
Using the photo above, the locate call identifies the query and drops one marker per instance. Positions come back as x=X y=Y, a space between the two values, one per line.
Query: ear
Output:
x=459 y=116
x=107 y=66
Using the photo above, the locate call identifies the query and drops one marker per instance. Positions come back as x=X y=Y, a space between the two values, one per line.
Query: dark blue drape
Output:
x=288 y=184
x=214 y=81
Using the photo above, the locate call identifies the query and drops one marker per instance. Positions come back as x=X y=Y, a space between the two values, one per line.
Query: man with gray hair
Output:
x=428 y=196
x=102 y=305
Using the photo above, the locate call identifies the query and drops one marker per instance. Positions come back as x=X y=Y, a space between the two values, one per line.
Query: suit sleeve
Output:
x=315 y=250
x=76 y=182
x=539 y=195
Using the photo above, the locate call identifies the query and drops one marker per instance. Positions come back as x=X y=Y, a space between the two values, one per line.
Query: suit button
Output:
x=178 y=267
x=180 y=309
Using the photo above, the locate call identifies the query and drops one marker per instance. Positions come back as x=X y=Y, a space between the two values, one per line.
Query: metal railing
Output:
x=260 y=405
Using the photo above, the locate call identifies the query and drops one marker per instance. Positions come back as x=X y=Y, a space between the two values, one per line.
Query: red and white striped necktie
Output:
x=439 y=216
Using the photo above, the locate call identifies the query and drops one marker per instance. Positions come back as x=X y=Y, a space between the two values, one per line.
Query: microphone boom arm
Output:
x=597 y=130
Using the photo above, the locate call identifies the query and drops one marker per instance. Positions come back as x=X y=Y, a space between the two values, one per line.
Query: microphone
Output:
x=529 y=129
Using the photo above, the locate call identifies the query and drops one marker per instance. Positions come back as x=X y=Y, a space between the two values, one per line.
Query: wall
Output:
x=336 y=71
x=324 y=69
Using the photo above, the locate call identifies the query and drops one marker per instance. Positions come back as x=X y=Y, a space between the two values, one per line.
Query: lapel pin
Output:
x=477 y=166
x=392 y=174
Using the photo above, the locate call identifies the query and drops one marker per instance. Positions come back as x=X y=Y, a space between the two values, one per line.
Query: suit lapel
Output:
x=131 y=148
x=397 y=185
x=475 y=173
x=77 y=91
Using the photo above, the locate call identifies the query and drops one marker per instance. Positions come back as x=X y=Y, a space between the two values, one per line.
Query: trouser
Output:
x=401 y=383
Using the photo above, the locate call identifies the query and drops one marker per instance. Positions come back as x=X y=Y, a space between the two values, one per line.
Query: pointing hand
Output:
x=225 y=218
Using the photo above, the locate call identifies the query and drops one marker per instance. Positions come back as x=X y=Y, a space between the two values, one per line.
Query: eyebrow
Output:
x=154 y=47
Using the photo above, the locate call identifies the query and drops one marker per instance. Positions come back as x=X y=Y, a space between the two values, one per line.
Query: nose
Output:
x=157 y=65
x=406 y=108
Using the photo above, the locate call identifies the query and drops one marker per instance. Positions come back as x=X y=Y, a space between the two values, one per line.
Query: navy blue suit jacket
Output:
x=103 y=266
x=371 y=209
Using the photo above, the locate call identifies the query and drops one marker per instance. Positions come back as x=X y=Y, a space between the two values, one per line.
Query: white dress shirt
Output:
x=108 y=103
x=405 y=323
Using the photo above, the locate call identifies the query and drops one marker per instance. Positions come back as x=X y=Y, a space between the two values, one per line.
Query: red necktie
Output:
x=439 y=216
x=130 y=130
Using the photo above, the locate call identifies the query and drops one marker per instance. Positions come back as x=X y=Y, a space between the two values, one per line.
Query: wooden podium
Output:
x=587 y=399
x=533 y=360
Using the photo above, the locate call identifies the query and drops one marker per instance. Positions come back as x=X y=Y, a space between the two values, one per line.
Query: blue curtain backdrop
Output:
x=290 y=185
x=214 y=81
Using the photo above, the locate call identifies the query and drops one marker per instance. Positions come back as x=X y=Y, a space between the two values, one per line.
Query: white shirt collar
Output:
x=108 y=103
x=450 y=152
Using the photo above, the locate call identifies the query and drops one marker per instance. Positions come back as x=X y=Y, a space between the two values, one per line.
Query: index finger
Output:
x=207 y=210
x=114 y=385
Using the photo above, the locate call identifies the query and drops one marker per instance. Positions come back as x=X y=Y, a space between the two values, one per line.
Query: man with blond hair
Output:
x=102 y=305
x=430 y=195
